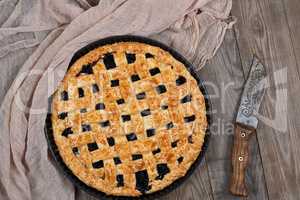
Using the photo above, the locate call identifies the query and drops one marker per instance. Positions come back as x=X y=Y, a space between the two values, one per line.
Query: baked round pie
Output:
x=128 y=119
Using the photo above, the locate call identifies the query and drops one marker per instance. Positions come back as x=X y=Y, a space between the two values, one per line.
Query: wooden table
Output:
x=271 y=30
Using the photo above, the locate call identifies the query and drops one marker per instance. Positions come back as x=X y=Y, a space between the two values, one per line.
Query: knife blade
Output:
x=246 y=124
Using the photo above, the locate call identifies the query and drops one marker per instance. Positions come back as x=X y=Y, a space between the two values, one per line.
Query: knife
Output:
x=246 y=124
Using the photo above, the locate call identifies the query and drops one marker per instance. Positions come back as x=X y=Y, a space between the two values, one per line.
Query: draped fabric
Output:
x=37 y=41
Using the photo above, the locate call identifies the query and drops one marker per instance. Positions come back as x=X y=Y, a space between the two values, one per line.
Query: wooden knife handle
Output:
x=240 y=157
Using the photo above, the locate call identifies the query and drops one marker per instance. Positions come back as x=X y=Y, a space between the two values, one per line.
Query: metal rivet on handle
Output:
x=243 y=134
x=241 y=158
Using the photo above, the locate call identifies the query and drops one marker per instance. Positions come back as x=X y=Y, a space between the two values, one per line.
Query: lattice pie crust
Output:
x=128 y=119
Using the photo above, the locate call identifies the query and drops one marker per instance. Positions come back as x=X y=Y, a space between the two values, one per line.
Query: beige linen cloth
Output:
x=37 y=41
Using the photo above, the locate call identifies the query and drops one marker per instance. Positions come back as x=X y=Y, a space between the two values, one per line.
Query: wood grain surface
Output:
x=269 y=29
x=225 y=79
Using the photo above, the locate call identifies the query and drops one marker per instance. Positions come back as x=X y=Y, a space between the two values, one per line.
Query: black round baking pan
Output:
x=94 y=192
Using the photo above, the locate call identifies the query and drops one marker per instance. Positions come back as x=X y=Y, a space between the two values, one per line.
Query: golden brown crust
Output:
x=113 y=129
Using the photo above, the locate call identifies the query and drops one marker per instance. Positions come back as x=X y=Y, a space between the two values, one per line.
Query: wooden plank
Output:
x=267 y=29
x=291 y=12
x=224 y=78
x=196 y=187
x=292 y=8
